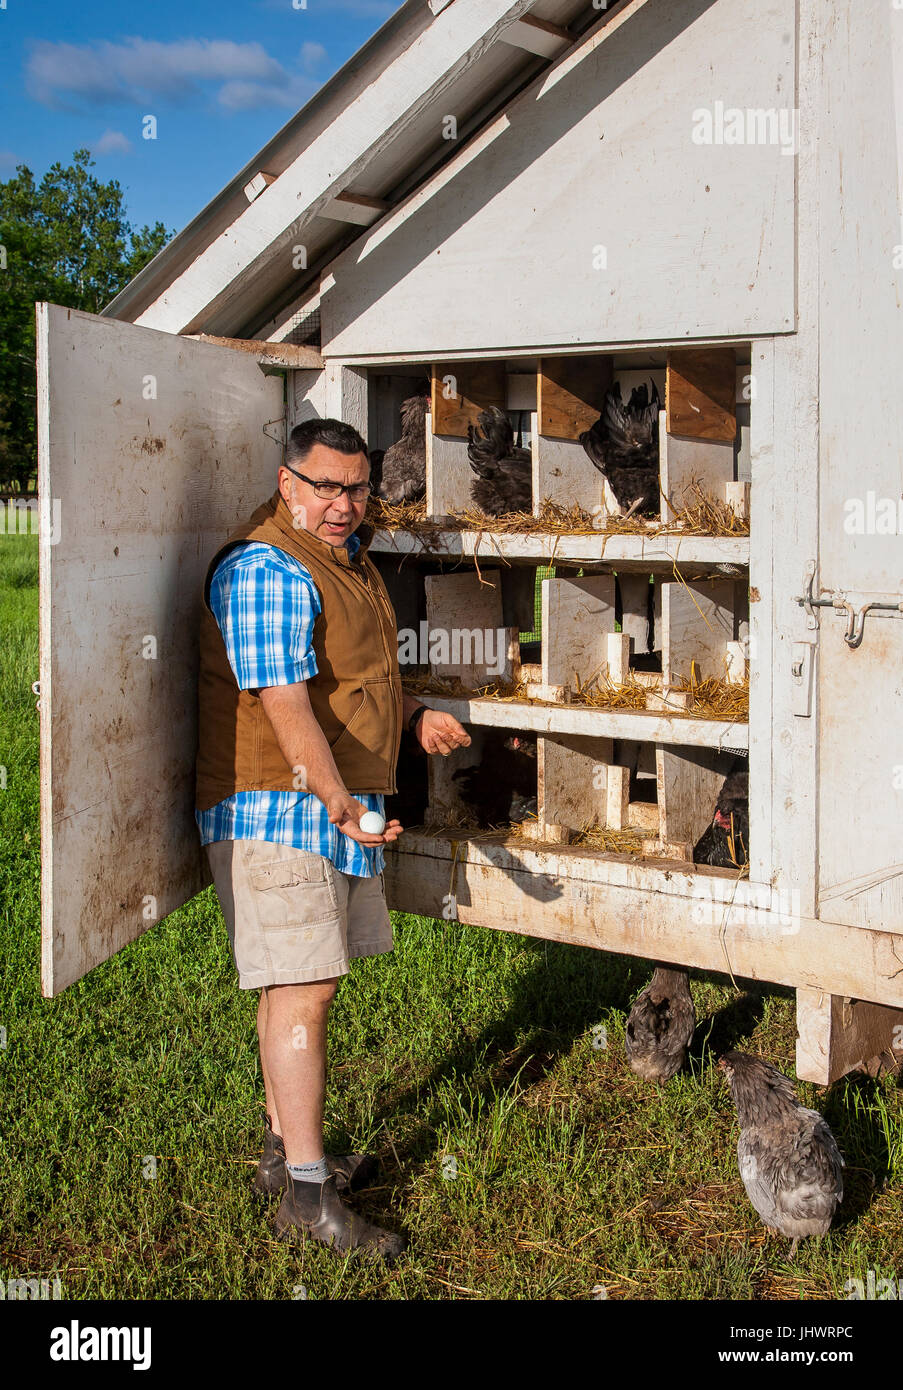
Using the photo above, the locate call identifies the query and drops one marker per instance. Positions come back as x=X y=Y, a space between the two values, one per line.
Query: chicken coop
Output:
x=531 y=213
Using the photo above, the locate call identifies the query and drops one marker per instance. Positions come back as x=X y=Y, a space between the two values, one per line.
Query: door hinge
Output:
x=854 y=603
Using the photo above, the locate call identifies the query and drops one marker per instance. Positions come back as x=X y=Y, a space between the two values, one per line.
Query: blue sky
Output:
x=220 y=79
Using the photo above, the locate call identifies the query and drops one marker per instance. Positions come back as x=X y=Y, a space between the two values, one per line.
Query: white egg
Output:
x=372 y=823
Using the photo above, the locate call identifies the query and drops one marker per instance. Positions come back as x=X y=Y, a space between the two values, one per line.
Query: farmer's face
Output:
x=332 y=520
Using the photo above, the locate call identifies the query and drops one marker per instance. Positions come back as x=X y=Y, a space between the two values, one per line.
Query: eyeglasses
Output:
x=358 y=492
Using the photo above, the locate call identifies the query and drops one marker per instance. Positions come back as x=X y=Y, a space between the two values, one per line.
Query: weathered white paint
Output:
x=146 y=490
x=623 y=552
x=502 y=244
x=860 y=692
x=306 y=397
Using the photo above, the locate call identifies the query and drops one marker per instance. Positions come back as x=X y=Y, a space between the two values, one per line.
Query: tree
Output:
x=68 y=240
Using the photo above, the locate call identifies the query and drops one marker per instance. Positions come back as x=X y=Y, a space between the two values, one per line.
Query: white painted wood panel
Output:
x=145 y=490
x=587 y=213
x=860 y=692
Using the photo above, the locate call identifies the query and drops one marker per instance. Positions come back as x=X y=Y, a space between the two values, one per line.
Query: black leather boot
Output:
x=352 y=1171
x=316 y=1210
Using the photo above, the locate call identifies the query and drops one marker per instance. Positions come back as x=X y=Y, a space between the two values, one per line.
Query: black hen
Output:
x=726 y=841
x=404 y=462
x=660 y=1026
x=376 y=469
x=502 y=786
x=504 y=471
x=623 y=445
x=789 y=1160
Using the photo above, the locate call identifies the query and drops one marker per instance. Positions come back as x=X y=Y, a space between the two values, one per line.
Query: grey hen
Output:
x=789 y=1160
x=404 y=462
x=504 y=471
x=661 y=1025
x=623 y=445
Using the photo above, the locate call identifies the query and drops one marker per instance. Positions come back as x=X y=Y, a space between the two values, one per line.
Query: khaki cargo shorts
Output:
x=292 y=916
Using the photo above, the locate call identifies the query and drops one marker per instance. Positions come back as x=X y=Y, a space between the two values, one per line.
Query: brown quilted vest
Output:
x=355 y=695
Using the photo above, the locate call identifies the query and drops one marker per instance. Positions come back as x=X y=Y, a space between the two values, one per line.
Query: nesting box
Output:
x=522 y=212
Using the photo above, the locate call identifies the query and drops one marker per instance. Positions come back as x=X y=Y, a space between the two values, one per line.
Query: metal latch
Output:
x=842 y=601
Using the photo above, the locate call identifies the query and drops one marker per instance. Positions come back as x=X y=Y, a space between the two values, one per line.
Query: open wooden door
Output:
x=152 y=448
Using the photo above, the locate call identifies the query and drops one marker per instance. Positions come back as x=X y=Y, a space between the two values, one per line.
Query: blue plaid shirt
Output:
x=265 y=603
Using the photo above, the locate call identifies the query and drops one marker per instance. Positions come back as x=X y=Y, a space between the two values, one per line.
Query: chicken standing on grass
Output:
x=404 y=462
x=789 y=1160
x=504 y=481
x=661 y=1025
x=623 y=445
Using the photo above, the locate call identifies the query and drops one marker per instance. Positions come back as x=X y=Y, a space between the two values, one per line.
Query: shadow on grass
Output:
x=563 y=995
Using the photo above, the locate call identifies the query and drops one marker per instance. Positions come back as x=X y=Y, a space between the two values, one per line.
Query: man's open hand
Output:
x=345 y=811
x=438 y=732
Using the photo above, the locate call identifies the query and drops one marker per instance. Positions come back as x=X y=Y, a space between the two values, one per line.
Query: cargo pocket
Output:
x=293 y=892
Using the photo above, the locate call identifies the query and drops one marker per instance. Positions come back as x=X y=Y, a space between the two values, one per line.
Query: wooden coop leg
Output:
x=836 y=1035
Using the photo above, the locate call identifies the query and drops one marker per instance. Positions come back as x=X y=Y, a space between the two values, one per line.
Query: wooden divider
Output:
x=697 y=625
x=701 y=393
x=689 y=781
x=468 y=610
x=577 y=617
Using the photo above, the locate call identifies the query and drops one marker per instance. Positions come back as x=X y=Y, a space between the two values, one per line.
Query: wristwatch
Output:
x=416 y=718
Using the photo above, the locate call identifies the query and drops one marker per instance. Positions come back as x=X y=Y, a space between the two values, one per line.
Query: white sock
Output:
x=309 y=1172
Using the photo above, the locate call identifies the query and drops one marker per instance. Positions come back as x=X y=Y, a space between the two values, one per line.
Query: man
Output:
x=301 y=710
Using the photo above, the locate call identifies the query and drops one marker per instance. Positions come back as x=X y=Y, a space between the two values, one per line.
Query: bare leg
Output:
x=293 y=1058
x=261 y=1040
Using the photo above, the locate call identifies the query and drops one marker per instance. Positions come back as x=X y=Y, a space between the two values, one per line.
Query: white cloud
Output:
x=311 y=54
x=8 y=160
x=138 y=70
x=113 y=142
x=248 y=96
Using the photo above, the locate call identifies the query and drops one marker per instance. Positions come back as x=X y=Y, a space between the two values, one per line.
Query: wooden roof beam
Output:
x=356 y=208
x=538 y=36
x=267 y=354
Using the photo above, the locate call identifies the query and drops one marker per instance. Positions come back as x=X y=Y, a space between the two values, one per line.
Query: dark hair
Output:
x=335 y=434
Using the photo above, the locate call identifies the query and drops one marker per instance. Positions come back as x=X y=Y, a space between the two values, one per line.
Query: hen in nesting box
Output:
x=504 y=471
x=623 y=445
x=502 y=786
x=789 y=1160
x=725 y=843
x=660 y=1026
x=404 y=462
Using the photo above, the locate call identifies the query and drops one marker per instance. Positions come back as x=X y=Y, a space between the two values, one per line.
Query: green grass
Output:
x=523 y=1161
